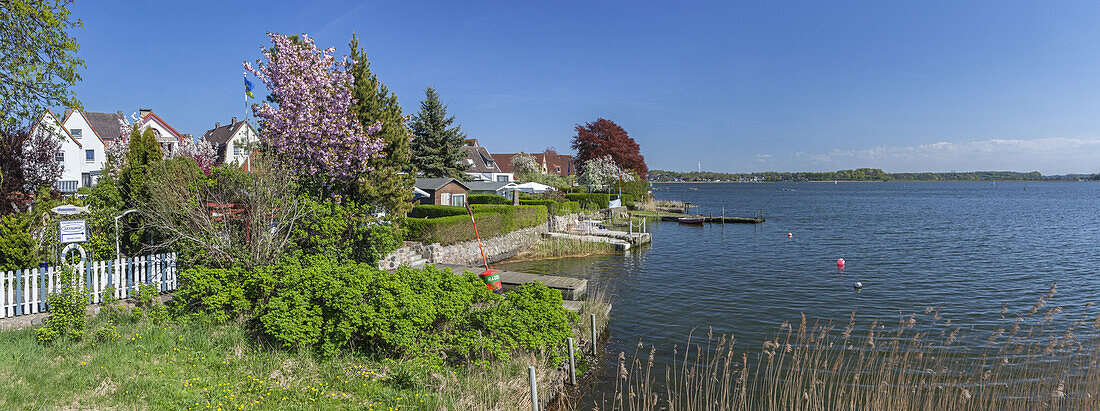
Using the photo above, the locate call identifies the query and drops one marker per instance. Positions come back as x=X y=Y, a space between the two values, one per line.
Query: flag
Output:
x=248 y=88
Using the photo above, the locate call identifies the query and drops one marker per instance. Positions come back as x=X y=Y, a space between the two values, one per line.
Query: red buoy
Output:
x=840 y=262
x=491 y=278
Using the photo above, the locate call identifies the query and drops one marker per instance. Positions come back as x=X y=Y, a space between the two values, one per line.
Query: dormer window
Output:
x=76 y=132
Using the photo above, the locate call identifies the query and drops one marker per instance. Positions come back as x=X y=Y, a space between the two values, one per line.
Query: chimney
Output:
x=120 y=114
x=144 y=111
x=234 y=121
x=217 y=124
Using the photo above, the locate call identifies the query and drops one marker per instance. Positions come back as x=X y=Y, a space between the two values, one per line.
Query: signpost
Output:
x=73 y=231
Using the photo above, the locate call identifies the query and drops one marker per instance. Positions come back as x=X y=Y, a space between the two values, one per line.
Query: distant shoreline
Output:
x=874 y=181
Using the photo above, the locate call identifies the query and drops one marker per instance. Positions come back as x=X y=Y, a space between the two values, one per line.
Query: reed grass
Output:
x=1043 y=357
x=562 y=247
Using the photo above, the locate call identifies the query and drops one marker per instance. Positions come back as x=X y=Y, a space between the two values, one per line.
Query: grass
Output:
x=562 y=247
x=131 y=361
x=1039 y=358
x=160 y=365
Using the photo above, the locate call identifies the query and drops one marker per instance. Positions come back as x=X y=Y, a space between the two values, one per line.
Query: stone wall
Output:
x=467 y=253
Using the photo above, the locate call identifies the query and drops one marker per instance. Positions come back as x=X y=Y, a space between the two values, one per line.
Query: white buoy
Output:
x=858 y=285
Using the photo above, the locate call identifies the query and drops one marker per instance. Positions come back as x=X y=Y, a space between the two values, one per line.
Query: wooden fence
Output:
x=24 y=292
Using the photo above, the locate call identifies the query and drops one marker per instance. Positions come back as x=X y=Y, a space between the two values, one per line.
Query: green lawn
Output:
x=147 y=364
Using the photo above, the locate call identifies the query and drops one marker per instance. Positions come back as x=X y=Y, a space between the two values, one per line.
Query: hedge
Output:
x=492 y=221
x=554 y=207
x=436 y=211
x=488 y=199
x=599 y=200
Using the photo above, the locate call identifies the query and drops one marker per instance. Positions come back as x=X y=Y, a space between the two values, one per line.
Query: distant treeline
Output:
x=862 y=174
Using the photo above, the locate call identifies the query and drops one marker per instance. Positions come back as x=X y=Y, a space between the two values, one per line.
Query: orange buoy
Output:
x=491 y=278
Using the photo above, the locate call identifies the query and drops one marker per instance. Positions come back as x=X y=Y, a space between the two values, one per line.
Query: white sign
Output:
x=69 y=209
x=73 y=231
x=616 y=203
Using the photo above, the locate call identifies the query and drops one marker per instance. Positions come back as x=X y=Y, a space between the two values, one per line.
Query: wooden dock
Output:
x=720 y=220
x=571 y=288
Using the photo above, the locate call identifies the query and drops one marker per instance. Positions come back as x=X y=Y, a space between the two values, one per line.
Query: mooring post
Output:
x=593 y=317
x=572 y=364
x=534 y=389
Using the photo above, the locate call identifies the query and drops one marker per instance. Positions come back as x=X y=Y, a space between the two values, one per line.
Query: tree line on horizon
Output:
x=862 y=174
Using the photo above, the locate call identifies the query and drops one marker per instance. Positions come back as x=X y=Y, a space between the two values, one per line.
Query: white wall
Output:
x=76 y=162
x=242 y=139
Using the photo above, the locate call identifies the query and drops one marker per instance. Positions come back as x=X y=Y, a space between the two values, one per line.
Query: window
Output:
x=60 y=157
x=236 y=150
x=75 y=132
x=89 y=155
x=444 y=198
x=503 y=178
x=559 y=168
x=458 y=200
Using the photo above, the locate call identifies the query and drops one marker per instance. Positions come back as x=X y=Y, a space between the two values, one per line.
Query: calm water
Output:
x=969 y=246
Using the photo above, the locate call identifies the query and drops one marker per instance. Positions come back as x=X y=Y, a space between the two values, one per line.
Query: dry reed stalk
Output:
x=1051 y=365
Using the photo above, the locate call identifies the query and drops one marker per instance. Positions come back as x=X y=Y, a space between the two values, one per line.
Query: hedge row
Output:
x=436 y=211
x=488 y=199
x=492 y=221
x=598 y=200
x=554 y=207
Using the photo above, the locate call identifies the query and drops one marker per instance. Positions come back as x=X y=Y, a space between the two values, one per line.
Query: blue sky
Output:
x=736 y=86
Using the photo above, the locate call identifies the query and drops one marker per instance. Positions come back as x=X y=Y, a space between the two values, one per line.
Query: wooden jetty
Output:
x=717 y=219
x=571 y=288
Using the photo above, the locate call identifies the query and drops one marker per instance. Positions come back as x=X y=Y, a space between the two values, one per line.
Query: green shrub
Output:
x=531 y=318
x=328 y=306
x=436 y=211
x=346 y=230
x=488 y=199
x=67 y=311
x=598 y=200
x=555 y=207
x=17 y=247
x=218 y=293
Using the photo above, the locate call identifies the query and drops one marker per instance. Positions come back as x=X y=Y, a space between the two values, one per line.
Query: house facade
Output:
x=481 y=166
x=84 y=137
x=442 y=191
x=168 y=137
x=232 y=142
x=559 y=164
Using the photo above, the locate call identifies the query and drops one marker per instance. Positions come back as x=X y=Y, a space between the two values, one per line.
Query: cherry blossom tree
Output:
x=307 y=121
x=601 y=173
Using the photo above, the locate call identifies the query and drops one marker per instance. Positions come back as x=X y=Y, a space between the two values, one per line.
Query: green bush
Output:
x=598 y=200
x=17 y=247
x=492 y=221
x=531 y=318
x=67 y=311
x=555 y=207
x=346 y=230
x=488 y=199
x=436 y=211
x=218 y=293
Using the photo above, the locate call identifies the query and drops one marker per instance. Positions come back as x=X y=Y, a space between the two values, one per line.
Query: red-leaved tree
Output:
x=602 y=138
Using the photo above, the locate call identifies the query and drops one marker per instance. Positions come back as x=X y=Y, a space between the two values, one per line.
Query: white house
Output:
x=168 y=137
x=84 y=137
x=481 y=166
x=232 y=142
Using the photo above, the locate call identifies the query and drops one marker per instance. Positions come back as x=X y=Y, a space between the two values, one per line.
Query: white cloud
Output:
x=1056 y=155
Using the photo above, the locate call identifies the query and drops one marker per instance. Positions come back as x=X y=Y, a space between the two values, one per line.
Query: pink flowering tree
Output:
x=203 y=152
x=308 y=122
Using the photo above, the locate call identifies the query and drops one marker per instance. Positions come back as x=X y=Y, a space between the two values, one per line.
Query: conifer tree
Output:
x=389 y=184
x=436 y=146
x=144 y=151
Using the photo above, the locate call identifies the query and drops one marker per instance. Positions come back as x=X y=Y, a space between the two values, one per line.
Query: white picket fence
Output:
x=24 y=292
